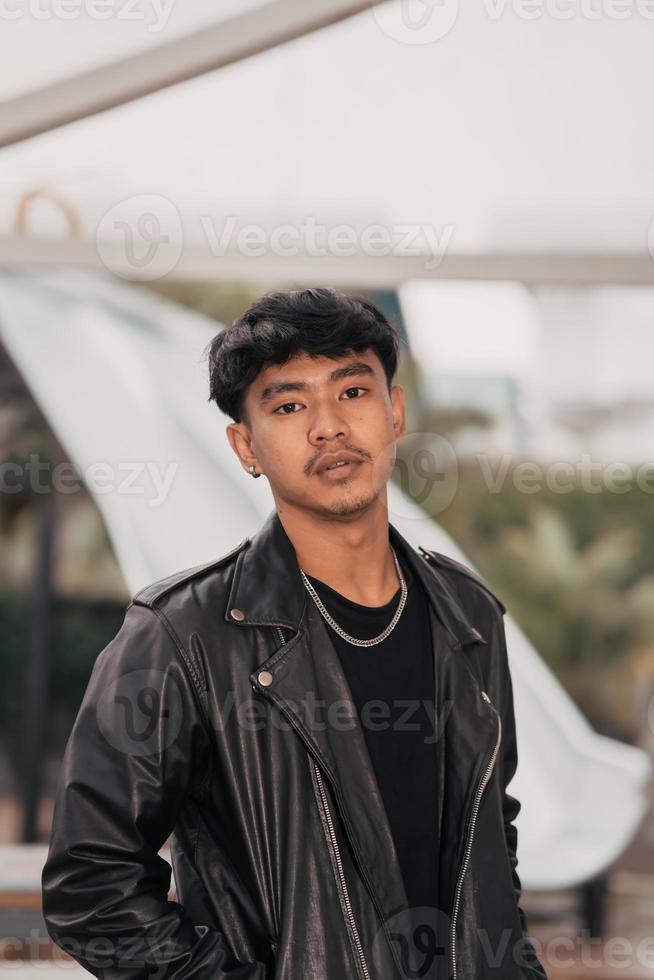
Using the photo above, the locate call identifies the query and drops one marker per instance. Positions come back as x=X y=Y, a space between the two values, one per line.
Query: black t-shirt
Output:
x=400 y=737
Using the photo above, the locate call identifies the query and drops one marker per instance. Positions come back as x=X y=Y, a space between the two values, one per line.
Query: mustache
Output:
x=364 y=454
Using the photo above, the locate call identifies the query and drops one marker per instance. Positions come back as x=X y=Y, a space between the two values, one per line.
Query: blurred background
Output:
x=483 y=173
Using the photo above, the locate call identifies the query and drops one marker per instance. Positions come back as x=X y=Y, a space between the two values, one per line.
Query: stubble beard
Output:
x=352 y=502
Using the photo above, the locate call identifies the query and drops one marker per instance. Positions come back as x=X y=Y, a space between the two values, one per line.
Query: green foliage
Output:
x=573 y=568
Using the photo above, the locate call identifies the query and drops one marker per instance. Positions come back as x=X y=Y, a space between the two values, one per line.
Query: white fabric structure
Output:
x=119 y=376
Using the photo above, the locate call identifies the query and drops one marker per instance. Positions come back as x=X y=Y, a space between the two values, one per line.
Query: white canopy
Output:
x=520 y=136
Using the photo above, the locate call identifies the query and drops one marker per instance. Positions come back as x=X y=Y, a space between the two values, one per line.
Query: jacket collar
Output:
x=267 y=588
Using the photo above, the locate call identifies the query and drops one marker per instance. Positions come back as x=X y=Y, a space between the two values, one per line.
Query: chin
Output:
x=348 y=503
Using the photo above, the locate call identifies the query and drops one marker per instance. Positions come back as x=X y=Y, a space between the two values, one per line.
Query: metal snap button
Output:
x=237 y=614
x=265 y=678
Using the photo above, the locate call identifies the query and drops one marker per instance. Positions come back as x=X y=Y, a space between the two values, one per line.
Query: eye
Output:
x=278 y=411
x=356 y=388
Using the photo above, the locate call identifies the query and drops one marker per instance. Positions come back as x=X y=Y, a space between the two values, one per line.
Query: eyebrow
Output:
x=279 y=387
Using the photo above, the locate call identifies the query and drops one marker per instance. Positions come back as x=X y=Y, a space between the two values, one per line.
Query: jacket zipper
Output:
x=341 y=875
x=475 y=809
x=339 y=863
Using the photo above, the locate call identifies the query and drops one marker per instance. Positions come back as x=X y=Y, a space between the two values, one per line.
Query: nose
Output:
x=327 y=423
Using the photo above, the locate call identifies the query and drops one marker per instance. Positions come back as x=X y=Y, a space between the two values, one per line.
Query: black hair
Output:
x=318 y=321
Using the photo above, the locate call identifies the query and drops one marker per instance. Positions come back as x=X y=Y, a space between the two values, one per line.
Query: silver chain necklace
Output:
x=341 y=632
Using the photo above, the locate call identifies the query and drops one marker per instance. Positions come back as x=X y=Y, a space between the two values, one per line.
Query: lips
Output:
x=333 y=459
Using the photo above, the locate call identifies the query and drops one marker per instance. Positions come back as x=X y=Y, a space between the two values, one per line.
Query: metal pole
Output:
x=37 y=670
x=133 y=77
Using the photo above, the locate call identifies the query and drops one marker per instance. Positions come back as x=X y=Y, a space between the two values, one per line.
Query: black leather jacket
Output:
x=208 y=717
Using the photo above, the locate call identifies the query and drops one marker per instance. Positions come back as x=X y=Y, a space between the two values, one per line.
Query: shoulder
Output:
x=150 y=595
x=154 y=639
x=465 y=581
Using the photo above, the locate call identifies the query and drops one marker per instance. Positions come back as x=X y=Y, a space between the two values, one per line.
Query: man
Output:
x=322 y=718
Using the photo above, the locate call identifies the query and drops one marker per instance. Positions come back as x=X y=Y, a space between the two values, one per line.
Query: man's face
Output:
x=302 y=411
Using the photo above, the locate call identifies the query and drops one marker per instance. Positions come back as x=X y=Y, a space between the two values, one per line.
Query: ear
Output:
x=399 y=414
x=239 y=438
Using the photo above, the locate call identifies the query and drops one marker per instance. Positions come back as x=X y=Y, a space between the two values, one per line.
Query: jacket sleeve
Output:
x=528 y=961
x=132 y=759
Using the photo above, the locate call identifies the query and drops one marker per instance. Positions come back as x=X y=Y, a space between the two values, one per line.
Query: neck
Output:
x=349 y=553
